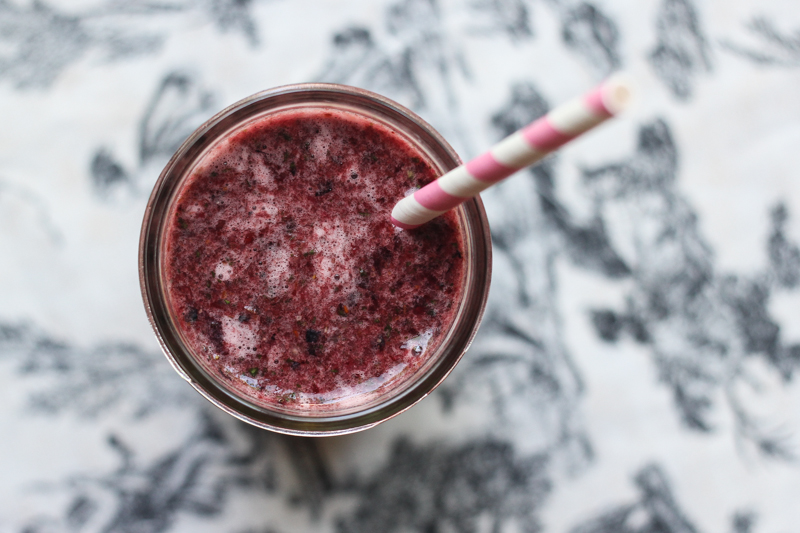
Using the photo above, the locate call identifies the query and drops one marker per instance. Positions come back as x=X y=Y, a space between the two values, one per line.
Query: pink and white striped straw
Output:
x=521 y=149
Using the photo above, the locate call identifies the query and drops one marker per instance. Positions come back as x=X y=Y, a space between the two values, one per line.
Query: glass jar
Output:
x=300 y=420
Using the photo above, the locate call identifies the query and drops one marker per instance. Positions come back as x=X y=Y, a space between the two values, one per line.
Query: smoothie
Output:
x=284 y=274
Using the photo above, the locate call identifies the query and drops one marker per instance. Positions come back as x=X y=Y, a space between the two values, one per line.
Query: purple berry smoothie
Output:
x=286 y=278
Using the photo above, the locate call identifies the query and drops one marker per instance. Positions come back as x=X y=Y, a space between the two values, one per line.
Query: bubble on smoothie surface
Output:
x=284 y=273
x=419 y=344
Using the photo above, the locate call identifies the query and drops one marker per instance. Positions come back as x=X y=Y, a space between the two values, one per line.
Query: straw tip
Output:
x=618 y=91
x=403 y=225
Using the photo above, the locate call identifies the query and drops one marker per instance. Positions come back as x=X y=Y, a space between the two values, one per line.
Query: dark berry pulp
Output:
x=284 y=274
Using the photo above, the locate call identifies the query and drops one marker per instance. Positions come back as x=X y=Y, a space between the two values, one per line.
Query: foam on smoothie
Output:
x=285 y=276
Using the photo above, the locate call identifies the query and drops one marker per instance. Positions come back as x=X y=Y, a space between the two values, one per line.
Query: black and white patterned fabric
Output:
x=637 y=368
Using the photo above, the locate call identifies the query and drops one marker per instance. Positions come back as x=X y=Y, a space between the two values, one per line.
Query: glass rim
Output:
x=461 y=333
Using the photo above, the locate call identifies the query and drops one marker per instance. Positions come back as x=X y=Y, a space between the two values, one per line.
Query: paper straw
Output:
x=521 y=149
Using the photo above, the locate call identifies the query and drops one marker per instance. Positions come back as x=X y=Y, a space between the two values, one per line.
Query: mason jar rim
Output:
x=471 y=214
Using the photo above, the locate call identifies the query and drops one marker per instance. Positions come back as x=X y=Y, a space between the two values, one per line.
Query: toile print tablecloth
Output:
x=637 y=369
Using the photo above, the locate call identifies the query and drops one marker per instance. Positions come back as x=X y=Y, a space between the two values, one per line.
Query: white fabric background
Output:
x=683 y=419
